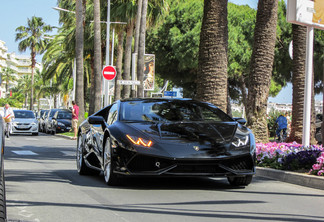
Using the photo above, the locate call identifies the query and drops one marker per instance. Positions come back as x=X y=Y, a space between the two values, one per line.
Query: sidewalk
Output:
x=311 y=181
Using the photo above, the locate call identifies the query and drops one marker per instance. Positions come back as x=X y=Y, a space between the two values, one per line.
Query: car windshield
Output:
x=64 y=115
x=170 y=110
x=24 y=114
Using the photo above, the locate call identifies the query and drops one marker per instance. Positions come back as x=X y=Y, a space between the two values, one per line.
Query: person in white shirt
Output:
x=8 y=115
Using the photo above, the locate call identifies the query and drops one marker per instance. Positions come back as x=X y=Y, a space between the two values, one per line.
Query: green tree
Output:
x=31 y=37
x=8 y=76
x=261 y=68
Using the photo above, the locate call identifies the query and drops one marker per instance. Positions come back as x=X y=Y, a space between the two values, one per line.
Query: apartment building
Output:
x=20 y=64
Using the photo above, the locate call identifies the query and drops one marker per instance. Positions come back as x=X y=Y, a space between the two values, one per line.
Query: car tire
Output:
x=82 y=168
x=111 y=178
x=3 y=209
x=240 y=181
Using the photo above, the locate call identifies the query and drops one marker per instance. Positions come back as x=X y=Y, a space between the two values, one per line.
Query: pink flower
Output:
x=320 y=173
x=317 y=167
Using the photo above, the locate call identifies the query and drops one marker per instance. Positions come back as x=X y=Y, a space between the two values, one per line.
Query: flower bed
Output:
x=291 y=156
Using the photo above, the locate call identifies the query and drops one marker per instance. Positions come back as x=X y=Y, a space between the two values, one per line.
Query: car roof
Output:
x=22 y=110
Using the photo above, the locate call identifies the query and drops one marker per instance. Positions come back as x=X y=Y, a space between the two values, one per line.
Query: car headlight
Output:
x=33 y=124
x=14 y=123
x=240 y=139
x=139 y=141
x=60 y=124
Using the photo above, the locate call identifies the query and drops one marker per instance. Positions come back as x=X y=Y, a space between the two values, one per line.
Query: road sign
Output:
x=109 y=72
x=128 y=82
x=170 y=93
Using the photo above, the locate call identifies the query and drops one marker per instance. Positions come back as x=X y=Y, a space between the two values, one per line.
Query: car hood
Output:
x=23 y=120
x=189 y=139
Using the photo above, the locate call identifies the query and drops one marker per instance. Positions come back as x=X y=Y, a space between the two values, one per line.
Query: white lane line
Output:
x=68 y=153
x=24 y=152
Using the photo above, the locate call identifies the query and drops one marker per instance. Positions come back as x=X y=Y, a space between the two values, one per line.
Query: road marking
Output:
x=24 y=152
x=68 y=153
x=32 y=139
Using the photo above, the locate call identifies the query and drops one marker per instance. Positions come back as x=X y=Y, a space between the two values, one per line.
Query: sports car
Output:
x=165 y=137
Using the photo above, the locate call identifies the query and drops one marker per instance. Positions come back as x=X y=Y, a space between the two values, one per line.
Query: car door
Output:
x=97 y=131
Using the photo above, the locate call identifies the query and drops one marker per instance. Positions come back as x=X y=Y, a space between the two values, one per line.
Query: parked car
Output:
x=39 y=116
x=165 y=137
x=62 y=121
x=24 y=122
x=318 y=124
x=3 y=209
x=48 y=123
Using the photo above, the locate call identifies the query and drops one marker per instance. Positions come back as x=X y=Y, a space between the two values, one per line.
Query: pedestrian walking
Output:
x=8 y=115
x=75 y=119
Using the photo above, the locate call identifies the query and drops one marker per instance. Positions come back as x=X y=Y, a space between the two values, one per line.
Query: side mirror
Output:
x=96 y=120
x=240 y=120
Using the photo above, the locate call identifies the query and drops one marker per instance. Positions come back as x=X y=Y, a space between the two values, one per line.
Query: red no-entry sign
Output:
x=109 y=72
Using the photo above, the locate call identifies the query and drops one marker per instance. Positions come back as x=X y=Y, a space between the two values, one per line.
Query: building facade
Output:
x=20 y=64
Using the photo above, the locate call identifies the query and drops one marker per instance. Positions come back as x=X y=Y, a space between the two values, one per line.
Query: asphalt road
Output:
x=42 y=184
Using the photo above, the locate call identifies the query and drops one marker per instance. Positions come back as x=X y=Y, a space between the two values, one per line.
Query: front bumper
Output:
x=145 y=165
x=17 y=129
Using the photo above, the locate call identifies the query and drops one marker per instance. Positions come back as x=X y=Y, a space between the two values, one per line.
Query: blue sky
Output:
x=14 y=13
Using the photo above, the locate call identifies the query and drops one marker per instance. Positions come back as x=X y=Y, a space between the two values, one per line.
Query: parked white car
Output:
x=25 y=121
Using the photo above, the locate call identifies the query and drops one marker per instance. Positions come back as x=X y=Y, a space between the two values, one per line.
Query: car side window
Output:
x=112 y=116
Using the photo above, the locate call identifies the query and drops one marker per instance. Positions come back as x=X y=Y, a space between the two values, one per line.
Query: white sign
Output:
x=128 y=82
x=306 y=12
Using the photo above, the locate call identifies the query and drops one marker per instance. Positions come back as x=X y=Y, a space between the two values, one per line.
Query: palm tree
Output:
x=119 y=64
x=79 y=92
x=31 y=38
x=97 y=58
x=298 y=82
x=24 y=87
x=141 y=49
x=212 y=74
x=8 y=77
x=261 y=68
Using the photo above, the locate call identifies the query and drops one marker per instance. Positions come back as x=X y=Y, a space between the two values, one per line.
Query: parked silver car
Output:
x=25 y=122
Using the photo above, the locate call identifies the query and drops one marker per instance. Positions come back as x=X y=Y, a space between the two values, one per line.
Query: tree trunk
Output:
x=92 y=86
x=97 y=57
x=141 y=50
x=79 y=93
x=128 y=59
x=119 y=63
x=33 y=61
x=212 y=74
x=261 y=68
x=298 y=82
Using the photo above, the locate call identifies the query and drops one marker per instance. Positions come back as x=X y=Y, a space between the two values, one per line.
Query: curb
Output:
x=311 y=181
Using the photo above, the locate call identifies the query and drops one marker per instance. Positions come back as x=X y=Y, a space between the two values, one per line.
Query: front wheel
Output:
x=111 y=178
x=239 y=181
x=82 y=168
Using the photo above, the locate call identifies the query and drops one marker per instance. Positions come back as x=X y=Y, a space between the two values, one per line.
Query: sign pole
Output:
x=308 y=86
x=106 y=88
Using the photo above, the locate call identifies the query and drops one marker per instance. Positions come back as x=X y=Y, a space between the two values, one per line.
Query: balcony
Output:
x=24 y=70
x=3 y=63
x=14 y=68
x=3 y=55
